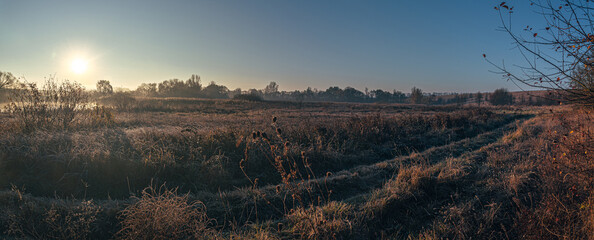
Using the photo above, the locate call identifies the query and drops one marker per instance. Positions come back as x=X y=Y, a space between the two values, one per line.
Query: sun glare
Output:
x=79 y=66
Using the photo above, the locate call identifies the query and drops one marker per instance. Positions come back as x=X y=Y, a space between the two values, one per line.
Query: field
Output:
x=227 y=169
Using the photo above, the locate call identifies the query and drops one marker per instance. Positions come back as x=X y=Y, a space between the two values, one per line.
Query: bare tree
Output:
x=558 y=54
x=6 y=79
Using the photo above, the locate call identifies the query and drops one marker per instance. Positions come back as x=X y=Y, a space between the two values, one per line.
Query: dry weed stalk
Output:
x=296 y=174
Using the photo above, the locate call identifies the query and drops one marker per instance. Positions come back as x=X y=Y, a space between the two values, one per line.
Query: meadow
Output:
x=186 y=168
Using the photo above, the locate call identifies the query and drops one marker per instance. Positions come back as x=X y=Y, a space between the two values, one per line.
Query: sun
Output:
x=79 y=66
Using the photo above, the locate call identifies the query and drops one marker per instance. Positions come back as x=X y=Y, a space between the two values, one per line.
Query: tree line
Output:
x=192 y=87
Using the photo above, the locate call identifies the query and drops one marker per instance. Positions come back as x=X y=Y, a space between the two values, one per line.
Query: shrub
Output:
x=248 y=97
x=501 y=97
x=100 y=116
x=121 y=100
x=163 y=214
x=55 y=106
x=71 y=223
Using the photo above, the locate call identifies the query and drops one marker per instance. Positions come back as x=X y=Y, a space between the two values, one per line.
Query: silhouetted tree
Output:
x=309 y=94
x=558 y=53
x=193 y=86
x=298 y=96
x=416 y=95
x=501 y=97
x=175 y=87
x=271 y=89
x=235 y=92
x=194 y=83
x=333 y=94
x=381 y=96
x=398 y=96
x=147 y=89
x=171 y=87
x=215 y=91
x=353 y=95
x=104 y=87
x=479 y=98
x=253 y=91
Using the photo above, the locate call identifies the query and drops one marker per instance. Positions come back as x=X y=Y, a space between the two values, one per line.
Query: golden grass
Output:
x=317 y=171
x=161 y=213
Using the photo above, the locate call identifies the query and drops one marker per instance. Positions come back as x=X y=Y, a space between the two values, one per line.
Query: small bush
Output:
x=501 y=97
x=55 y=106
x=71 y=223
x=162 y=214
x=100 y=116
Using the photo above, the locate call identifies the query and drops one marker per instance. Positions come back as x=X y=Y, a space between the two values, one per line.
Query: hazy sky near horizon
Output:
x=435 y=45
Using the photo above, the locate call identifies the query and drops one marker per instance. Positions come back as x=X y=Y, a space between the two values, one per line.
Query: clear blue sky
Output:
x=435 y=45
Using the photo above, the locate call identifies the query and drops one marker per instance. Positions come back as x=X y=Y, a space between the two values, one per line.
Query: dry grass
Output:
x=565 y=168
x=325 y=222
x=161 y=213
x=55 y=219
x=320 y=171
